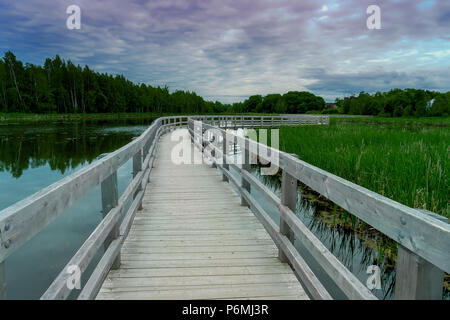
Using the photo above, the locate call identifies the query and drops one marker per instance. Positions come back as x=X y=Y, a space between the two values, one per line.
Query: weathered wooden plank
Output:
x=222 y=233
x=200 y=271
x=233 y=225
x=196 y=236
x=202 y=280
x=94 y=284
x=150 y=218
x=133 y=248
x=196 y=243
x=171 y=213
x=206 y=292
x=189 y=263
x=223 y=221
x=198 y=255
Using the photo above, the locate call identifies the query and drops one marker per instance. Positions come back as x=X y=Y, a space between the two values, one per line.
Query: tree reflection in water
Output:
x=61 y=145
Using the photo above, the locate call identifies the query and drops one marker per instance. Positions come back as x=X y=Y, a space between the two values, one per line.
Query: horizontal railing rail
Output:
x=424 y=239
x=24 y=219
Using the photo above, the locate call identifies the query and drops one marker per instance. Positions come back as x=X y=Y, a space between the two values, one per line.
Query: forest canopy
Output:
x=61 y=87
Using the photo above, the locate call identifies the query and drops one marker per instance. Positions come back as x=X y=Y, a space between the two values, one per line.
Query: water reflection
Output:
x=61 y=145
x=34 y=155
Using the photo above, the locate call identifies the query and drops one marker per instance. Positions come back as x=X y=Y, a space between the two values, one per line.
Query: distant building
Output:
x=331 y=106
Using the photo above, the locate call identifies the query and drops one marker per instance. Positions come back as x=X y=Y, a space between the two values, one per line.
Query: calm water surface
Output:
x=34 y=155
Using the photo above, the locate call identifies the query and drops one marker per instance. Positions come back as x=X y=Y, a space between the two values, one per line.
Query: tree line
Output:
x=397 y=103
x=61 y=87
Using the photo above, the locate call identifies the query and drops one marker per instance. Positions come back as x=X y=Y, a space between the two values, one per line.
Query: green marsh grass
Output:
x=403 y=161
x=408 y=164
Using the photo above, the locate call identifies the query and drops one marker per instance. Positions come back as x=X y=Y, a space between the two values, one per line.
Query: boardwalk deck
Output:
x=193 y=240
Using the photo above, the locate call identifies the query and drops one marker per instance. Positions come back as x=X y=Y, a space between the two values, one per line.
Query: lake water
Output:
x=34 y=155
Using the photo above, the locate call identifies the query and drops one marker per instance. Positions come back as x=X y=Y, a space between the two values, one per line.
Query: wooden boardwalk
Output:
x=193 y=240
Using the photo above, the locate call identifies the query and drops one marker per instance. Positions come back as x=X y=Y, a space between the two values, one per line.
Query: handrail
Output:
x=24 y=219
x=419 y=234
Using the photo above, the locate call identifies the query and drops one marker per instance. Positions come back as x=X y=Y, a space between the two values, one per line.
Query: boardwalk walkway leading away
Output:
x=193 y=240
x=180 y=231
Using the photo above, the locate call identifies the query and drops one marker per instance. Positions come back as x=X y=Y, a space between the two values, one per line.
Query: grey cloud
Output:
x=237 y=48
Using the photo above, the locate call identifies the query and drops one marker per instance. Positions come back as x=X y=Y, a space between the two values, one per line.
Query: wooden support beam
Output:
x=245 y=153
x=137 y=167
x=110 y=197
x=224 y=154
x=288 y=199
x=416 y=278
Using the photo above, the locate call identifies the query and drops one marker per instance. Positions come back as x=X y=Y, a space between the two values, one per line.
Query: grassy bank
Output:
x=400 y=159
x=77 y=116
x=98 y=116
x=408 y=164
x=407 y=121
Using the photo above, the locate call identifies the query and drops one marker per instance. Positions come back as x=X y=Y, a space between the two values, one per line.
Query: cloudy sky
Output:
x=228 y=50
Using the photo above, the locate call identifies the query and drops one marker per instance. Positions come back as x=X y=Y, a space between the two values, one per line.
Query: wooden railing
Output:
x=423 y=237
x=21 y=221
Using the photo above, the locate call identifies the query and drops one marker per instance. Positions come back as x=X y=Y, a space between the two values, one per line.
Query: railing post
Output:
x=110 y=198
x=213 y=142
x=137 y=166
x=416 y=278
x=224 y=154
x=2 y=281
x=245 y=154
x=288 y=199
